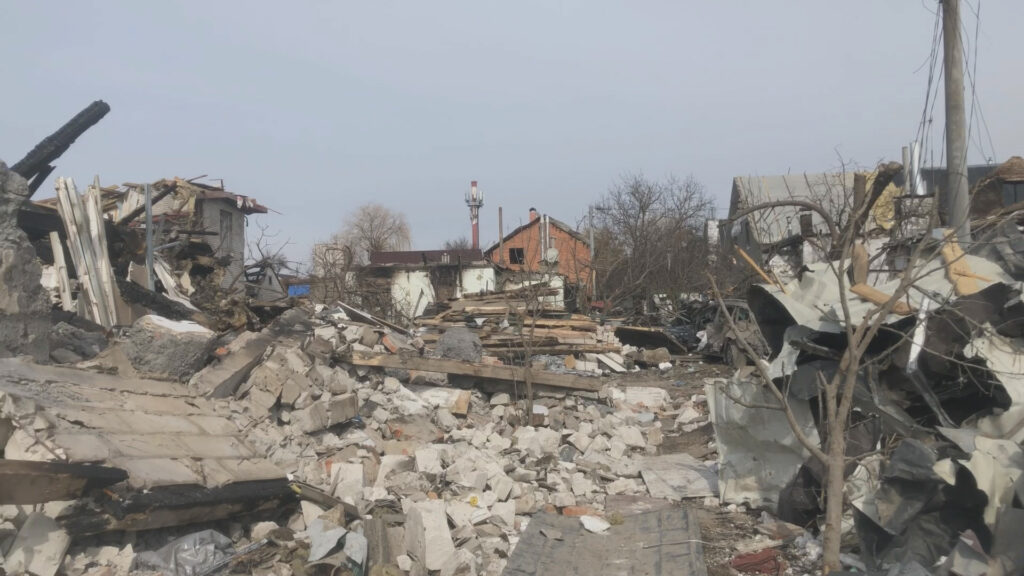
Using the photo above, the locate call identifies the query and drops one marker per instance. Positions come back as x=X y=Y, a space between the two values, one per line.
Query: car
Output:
x=723 y=340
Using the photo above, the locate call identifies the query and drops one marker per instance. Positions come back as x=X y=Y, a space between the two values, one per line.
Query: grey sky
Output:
x=316 y=107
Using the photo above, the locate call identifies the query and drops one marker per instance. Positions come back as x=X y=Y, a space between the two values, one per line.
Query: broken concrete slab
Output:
x=162 y=348
x=221 y=378
x=678 y=476
x=39 y=547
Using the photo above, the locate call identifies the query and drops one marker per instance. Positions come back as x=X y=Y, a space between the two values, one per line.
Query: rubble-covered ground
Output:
x=431 y=476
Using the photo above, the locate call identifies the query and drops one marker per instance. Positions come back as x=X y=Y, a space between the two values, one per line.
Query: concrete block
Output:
x=312 y=419
x=562 y=499
x=647 y=397
x=427 y=537
x=428 y=462
x=162 y=348
x=343 y=408
x=347 y=480
x=631 y=436
x=368 y=336
x=294 y=386
x=504 y=513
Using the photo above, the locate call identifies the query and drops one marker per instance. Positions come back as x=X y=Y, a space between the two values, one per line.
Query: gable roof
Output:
x=778 y=223
x=415 y=257
x=554 y=222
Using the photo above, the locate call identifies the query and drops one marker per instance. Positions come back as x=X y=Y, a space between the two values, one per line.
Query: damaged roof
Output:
x=111 y=194
x=427 y=257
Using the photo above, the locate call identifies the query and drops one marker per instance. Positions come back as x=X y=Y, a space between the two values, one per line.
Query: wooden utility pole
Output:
x=957 y=195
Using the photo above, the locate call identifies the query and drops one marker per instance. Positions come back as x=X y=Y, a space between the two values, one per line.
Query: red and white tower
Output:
x=475 y=199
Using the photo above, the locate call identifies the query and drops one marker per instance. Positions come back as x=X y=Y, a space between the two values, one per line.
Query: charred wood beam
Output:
x=30 y=482
x=35 y=166
x=180 y=505
x=137 y=294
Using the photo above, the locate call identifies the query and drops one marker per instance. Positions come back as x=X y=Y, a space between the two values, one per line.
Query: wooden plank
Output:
x=612 y=364
x=876 y=296
x=61 y=268
x=68 y=211
x=507 y=373
x=105 y=271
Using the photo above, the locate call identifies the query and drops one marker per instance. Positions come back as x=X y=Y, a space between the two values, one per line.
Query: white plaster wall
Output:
x=475 y=280
x=411 y=291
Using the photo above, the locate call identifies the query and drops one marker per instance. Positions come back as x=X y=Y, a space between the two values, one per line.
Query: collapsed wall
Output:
x=24 y=311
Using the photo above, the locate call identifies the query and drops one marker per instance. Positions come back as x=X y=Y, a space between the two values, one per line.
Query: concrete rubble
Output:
x=452 y=493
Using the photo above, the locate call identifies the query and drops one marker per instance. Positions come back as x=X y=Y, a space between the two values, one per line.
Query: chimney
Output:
x=533 y=214
x=475 y=199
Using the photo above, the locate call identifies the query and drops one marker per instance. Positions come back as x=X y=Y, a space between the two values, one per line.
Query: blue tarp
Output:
x=298 y=290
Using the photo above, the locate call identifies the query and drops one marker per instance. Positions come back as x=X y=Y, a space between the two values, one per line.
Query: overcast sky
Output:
x=315 y=107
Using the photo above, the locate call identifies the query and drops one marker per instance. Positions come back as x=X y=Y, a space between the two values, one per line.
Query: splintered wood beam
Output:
x=959 y=270
x=487 y=371
x=750 y=261
x=30 y=482
x=876 y=296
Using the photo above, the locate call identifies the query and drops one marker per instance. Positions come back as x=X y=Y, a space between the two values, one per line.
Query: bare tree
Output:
x=373 y=228
x=649 y=237
x=836 y=391
x=460 y=243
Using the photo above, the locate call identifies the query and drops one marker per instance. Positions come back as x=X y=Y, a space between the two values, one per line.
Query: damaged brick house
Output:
x=547 y=247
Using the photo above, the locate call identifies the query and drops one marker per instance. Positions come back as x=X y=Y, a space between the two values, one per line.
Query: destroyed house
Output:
x=781 y=223
x=189 y=213
x=545 y=245
x=415 y=279
x=780 y=230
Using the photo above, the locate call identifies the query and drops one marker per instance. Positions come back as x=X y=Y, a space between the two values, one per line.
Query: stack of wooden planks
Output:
x=520 y=322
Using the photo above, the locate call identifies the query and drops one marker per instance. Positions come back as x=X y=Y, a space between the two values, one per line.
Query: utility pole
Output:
x=957 y=201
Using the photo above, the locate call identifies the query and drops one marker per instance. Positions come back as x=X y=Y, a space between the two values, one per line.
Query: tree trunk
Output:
x=528 y=377
x=834 y=481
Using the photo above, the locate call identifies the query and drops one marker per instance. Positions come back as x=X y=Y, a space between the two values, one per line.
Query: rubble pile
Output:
x=936 y=428
x=294 y=458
